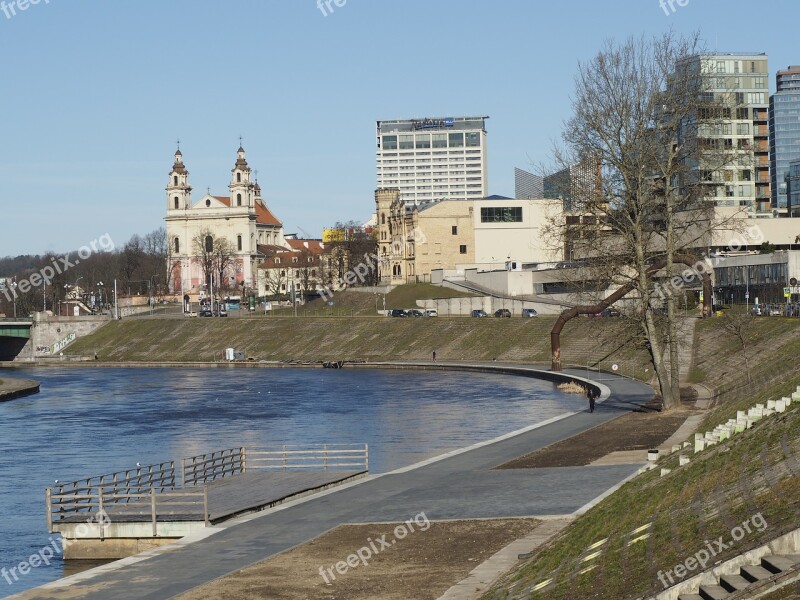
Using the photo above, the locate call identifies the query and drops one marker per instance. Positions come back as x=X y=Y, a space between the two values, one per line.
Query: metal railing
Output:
x=212 y=466
x=325 y=457
x=139 y=490
x=105 y=508
x=234 y=461
x=153 y=490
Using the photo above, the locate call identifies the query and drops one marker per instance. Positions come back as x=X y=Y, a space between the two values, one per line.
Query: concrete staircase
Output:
x=752 y=580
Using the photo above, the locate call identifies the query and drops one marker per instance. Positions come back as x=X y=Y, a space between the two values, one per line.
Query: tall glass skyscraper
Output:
x=784 y=131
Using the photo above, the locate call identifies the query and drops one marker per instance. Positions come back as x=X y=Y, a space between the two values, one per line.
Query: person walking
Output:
x=434 y=356
x=592 y=395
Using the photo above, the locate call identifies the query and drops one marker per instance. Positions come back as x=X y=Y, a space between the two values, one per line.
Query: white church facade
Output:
x=242 y=218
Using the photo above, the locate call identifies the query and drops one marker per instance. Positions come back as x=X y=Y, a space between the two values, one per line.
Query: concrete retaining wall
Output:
x=51 y=334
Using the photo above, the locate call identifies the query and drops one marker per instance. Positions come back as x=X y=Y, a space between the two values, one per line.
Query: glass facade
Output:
x=784 y=131
x=792 y=185
x=501 y=214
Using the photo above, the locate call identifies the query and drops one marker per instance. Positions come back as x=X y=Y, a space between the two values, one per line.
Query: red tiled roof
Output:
x=226 y=200
x=263 y=215
x=314 y=246
x=285 y=260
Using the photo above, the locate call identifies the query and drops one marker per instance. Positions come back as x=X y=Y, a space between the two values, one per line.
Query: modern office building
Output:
x=784 y=132
x=739 y=83
x=791 y=185
x=433 y=159
x=527 y=185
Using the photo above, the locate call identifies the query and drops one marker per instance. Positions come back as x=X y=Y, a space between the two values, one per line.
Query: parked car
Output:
x=220 y=311
x=431 y=312
x=479 y=313
x=606 y=312
x=397 y=312
x=502 y=312
x=529 y=312
x=414 y=312
x=206 y=312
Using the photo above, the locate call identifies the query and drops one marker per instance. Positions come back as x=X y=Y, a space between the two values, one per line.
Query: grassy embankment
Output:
x=755 y=472
x=306 y=338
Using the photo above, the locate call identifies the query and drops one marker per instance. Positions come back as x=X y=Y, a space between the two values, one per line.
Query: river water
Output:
x=93 y=421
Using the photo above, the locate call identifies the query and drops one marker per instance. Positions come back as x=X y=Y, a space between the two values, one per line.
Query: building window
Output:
x=238 y=178
x=454 y=229
x=473 y=140
x=462 y=249
x=176 y=180
x=209 y=244
x=390 y=142
x=383 y=218
x=297 y=274
x=283 y=274
x=177 y=203
x=501 y=214
x=277 y=260
x=456 y=140
x=208 y=202
x=239 y=242
x=177 y=246
x=238 y=199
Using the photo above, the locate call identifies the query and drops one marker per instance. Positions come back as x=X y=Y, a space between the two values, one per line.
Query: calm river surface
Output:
x=92 y=421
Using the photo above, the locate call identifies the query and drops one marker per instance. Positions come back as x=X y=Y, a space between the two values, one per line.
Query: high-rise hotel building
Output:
x=432 y=159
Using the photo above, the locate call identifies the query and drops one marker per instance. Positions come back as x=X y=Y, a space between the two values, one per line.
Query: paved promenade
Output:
x=461 y=486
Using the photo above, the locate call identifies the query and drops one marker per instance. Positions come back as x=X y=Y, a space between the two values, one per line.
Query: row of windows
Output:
x=431 y=140
x=209 y=244
x=501 y=214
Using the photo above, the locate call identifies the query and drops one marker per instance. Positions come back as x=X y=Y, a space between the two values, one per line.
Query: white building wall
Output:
x=526 y=241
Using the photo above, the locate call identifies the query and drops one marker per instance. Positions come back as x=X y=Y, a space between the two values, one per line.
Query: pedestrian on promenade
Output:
x=592 y=395
x=434 y=356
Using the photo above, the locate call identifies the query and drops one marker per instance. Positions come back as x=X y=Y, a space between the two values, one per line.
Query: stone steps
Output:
x=736 y=586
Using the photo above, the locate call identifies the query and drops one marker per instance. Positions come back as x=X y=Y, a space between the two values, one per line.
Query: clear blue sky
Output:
x=95 y=93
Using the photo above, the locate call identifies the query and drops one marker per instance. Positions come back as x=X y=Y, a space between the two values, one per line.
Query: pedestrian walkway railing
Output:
x=235 y=461
x=157 y=493
x=143 y=492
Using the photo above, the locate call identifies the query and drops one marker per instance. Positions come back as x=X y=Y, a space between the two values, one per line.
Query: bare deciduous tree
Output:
x=639 y=198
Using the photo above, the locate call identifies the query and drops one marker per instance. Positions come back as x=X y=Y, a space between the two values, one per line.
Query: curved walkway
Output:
x=459 y=485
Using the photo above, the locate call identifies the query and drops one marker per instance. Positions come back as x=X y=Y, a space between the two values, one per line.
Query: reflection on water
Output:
x=92 y=421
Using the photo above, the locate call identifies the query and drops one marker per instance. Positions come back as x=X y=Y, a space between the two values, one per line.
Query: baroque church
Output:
x=242 y=218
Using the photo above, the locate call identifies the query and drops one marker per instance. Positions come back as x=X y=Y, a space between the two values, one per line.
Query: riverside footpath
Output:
x=459 y=485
